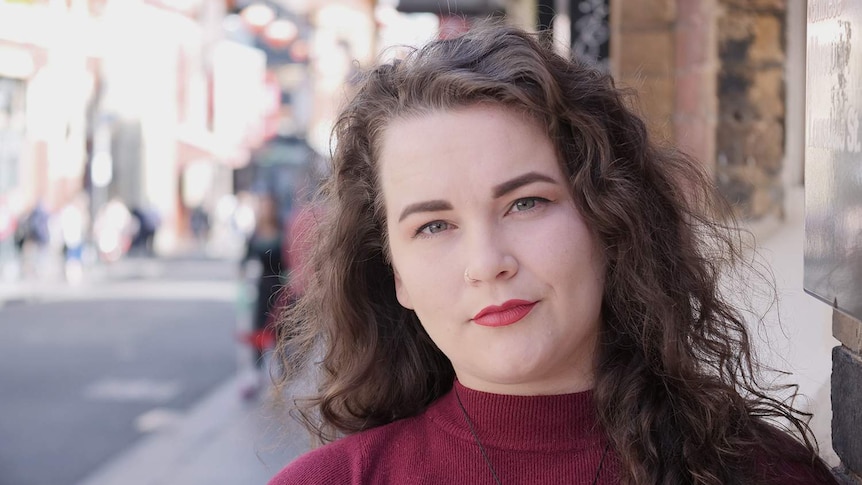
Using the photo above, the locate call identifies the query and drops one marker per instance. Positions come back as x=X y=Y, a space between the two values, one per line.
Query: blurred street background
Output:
x=89 y=372
x=155 y=154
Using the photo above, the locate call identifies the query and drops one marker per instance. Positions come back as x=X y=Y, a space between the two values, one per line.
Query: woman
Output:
x=514 y=284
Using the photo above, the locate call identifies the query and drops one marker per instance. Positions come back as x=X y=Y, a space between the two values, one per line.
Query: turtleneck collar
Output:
x=561 y=422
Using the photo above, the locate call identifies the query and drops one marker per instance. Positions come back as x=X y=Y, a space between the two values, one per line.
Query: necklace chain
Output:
x=476 y=437
x=488 y=460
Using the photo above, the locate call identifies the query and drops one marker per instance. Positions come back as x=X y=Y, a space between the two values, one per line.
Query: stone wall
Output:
x=750 y=131
x=711 y=78
x=847 y=397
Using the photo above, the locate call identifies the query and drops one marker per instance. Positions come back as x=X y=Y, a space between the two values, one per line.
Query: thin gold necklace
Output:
x=488 y=460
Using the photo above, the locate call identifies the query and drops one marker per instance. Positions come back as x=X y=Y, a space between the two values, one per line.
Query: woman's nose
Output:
x=489 y=257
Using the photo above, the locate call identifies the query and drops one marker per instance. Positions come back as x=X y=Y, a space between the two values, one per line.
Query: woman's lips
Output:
x=506 y=314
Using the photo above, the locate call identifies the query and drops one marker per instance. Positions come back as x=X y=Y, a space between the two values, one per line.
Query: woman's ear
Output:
x=401 y=291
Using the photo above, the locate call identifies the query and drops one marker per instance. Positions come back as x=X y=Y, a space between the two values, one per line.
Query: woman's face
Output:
x=490 y=251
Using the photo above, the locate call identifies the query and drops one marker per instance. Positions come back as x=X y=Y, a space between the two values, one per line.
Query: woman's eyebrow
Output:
x=426 y=206
x=520 y=181
x=498 y=191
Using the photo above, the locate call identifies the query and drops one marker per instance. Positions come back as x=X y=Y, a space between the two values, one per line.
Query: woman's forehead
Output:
x=452 y=131
x=479 y=147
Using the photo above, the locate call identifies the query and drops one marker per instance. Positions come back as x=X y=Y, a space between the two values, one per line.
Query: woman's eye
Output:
x=432 y=228
x=526 y=204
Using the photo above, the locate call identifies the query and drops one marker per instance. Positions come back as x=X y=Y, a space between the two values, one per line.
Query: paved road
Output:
x=83 y=378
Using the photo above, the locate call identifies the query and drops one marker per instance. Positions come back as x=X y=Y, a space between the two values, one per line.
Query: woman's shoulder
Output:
x=348 y=460
x=336 y=462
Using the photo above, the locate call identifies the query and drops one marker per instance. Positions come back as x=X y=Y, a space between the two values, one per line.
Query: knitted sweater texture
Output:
x=537 y=440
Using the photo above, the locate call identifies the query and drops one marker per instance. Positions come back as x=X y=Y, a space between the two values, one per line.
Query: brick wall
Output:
x=665 y=49
x=643 y=57
x=696 y=66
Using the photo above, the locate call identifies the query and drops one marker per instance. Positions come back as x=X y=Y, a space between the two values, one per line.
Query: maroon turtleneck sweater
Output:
x=533 y=440
x=529 y=440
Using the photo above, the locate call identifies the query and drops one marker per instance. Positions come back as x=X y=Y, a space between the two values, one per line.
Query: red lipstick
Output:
x=505 y=314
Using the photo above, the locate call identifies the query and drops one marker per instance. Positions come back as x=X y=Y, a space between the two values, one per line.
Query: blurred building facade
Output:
x=125 y=100
x=169 y=105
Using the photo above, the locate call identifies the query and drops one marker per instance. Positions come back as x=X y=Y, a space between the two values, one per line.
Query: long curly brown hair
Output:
x=676 y=386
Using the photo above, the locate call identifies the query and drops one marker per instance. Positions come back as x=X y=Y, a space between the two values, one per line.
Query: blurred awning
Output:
x=453 y=7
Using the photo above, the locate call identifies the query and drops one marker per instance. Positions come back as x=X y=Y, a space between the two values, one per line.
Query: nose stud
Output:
x=467 y=277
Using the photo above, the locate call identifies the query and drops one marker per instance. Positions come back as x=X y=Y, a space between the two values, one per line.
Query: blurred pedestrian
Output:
x=33 y=238
x=298 y=228
x=199 y=220
x=146 y=222
x=265 y=249
x=514 y=284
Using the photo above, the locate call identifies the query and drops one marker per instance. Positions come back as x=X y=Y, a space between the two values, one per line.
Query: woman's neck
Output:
x=573 y=384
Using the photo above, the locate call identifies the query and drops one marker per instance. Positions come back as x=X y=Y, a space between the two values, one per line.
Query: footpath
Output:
x=222 y=439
